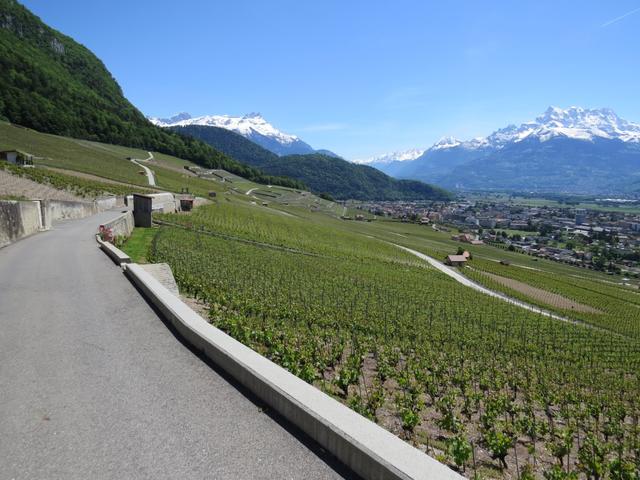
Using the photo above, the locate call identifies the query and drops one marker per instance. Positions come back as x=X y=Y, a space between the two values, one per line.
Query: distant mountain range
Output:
x=322 y=173
x=400 y=156
x=252 y=140
x=252 y=126
x=573 y=150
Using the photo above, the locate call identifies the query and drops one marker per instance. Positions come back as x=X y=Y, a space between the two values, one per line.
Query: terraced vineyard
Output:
x=60 y=182
x=490 y=388
x=611 y=307
x=85 y=165
x=604 y=304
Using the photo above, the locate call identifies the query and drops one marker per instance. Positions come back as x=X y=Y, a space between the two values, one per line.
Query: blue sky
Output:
x=364 y=77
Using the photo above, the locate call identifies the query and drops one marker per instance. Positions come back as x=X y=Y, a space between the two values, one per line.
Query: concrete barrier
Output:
x=117 y=255
x=364 y=447
x=121 y=226
x=65 y=210
x=106 y=203
x=18 y=219
x=53 y=210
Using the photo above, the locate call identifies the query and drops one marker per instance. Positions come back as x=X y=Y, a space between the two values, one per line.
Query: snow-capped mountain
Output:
x=252 y=126
x=400 y=156
x=166 y=122
x=574 y=122
x=573 y=149
x=446 y=142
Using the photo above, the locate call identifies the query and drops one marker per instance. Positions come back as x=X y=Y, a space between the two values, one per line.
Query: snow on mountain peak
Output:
x=176 y=118
x=247 y=125
x=399 y=156
x=446 y=142
x=573 y=122
x=581 y=123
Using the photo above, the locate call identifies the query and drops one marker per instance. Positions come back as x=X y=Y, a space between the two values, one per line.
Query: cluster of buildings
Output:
x=591 y=238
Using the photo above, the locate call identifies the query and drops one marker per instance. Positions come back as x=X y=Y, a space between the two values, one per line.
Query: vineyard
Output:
x=78 y=186
x=491 y=389
x=604 y=305
x=617 y=310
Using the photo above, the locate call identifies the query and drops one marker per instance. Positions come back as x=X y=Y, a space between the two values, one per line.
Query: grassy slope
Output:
x=53 y=84
x=137 y=245
x=102 y=160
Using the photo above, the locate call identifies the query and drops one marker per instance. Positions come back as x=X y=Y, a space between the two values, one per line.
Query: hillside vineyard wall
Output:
x=121 y=226
x=60 y=210
x=18 y=220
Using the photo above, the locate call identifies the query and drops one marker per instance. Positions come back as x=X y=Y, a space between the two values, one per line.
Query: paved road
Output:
x=94 y=385
x=150 y=175
x=476 y=286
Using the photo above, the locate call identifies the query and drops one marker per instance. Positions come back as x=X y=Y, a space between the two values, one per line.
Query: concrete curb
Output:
x=117 y=255
x=364 y=447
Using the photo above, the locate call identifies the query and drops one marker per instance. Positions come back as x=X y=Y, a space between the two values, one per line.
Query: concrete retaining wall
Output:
x=53 y=210
x=121 y=226
x=18 y=220
x=106 y=203
x=366 y=448
x=160 y=202
x=61 y=210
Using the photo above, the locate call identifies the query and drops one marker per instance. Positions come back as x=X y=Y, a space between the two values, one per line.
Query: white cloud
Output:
x=617 y=19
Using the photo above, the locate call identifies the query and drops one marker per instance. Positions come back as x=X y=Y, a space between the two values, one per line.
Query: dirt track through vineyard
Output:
x=541 y=295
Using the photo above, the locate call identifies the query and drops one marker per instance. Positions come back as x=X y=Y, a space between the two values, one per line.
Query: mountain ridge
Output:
x=589 y=132
x=322 y=173
x=252 y=126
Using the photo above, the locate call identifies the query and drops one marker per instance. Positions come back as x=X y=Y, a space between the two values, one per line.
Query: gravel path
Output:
x=458 y=277
x=94 y=385
x=150 y=176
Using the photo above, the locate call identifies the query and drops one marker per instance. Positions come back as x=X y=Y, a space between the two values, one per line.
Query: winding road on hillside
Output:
x=458 y=277
x=94 y=385
x=150 y=175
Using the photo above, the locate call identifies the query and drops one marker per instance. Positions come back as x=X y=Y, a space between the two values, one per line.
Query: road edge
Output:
x=363 y=446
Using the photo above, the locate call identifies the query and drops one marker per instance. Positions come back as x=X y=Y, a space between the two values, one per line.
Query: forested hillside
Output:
x=53 y=84
x=344 y=180
x=322 y=173
x=230 y=143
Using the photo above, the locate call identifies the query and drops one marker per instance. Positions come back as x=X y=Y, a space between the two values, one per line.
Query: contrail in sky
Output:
x=617 y=19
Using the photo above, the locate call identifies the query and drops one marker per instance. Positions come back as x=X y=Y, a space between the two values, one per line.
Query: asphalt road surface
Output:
x=93 y=385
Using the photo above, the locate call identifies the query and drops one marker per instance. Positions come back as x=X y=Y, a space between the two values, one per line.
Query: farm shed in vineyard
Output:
x=16 y=157
x=456 y=260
